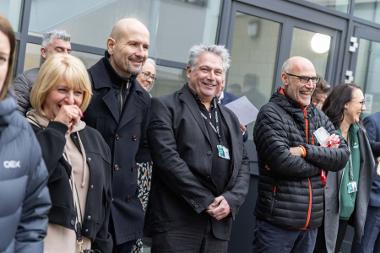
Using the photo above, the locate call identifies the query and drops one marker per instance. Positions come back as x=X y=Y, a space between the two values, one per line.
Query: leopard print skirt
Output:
x=144 y=178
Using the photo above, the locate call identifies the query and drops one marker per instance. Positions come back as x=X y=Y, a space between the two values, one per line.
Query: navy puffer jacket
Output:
x=291 y=192
x=24 y=197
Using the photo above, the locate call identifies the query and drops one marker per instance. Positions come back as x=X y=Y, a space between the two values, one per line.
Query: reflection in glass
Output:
x=87 y=59
x=367 y=74
x=368 y=9
x=253 y=59
x=339 y=5
x=12 y=10
x=168 y=80
x=33 y=57
x=302 y=46
x=174 y=25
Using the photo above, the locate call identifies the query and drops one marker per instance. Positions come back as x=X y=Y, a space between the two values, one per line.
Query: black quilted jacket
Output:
x=291 y=192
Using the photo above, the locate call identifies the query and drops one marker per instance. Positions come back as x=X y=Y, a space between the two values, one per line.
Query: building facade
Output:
x=340 y=37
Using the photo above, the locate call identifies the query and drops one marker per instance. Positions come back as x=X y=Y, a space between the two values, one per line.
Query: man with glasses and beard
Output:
x=119 y=111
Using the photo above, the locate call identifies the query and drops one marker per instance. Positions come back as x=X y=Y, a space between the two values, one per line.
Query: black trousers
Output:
x=196 y=237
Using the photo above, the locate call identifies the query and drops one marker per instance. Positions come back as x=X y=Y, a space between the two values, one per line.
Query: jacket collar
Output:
x=105 y=81
x=280 y=98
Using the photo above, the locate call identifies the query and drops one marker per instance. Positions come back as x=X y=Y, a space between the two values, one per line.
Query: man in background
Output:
x=225 y=98
x=320 y=93
x=56 y=41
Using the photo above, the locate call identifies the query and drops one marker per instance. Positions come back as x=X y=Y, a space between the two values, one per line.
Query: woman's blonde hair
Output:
x=58 y=68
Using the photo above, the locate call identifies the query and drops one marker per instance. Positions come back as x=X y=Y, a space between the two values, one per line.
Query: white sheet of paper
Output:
x=244 y=110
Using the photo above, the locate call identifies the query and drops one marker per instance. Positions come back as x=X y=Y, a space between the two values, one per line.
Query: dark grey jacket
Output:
x=182 y=186
x=24 y=197
x=332 y=194
x=23 y=84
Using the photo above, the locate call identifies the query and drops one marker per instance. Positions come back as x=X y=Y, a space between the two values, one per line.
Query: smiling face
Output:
x=60 y=94
x=149 y=69
x=128 y=48
x=56 y=46
x=5 y=49
x=293 y=87
x=207 y=76
x=355 y=107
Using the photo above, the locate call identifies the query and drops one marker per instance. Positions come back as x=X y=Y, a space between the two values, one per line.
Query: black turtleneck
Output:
x=221 y=168
x=121 y=85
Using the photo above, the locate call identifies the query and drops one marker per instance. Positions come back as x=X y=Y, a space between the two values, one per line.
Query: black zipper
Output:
x=273 y=198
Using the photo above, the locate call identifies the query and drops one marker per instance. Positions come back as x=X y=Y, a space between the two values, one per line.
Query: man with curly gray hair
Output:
x=55 y=41
x=200 y=165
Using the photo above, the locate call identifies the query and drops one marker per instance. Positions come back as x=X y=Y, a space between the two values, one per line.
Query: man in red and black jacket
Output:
x=289 y=207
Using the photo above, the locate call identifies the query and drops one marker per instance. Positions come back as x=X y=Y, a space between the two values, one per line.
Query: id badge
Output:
x=321 y=134
x=223 y=152
x=351 y=186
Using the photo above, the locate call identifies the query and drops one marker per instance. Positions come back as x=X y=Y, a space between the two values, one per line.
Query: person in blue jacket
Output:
x=371 y=239
x=24 y=197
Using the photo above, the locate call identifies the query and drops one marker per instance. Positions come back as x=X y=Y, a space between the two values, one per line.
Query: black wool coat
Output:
x=124 y=137
x=95 y=224
x=291 y=192
x=182 y=186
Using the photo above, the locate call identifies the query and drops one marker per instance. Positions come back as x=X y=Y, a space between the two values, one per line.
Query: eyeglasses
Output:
x=306 y=79
x=147 y=76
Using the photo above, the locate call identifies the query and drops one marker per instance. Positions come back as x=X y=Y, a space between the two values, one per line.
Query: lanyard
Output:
x=216 y=127
x=351 y=169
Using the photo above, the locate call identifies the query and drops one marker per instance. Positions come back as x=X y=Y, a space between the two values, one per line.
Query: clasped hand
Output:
x=219 y=209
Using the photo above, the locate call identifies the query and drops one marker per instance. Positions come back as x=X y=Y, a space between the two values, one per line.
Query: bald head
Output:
x=297 y=75
x=128 y=46
x=125 y=25
x=295 y=63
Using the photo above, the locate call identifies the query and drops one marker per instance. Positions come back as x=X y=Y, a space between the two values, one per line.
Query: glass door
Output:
x=366 y=64
x=260 y=41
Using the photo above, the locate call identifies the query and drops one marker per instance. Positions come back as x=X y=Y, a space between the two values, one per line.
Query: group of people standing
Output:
x=82 y=159
x=97 y=155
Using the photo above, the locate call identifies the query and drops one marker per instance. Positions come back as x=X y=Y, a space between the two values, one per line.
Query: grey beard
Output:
x=134 y=71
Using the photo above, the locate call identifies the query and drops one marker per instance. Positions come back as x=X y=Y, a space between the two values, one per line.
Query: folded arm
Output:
x=331 y=159
x=273 y=147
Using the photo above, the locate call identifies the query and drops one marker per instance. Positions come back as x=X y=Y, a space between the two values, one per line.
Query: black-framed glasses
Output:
x=306 y=79
x=147 y=76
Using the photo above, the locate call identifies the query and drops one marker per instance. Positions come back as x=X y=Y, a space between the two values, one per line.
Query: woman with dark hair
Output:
x=347 y=191
x=24 y=197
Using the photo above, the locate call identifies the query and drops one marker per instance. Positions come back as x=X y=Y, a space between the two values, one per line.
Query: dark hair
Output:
x=334 y=104
x=322 y=86
x=6 y=28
